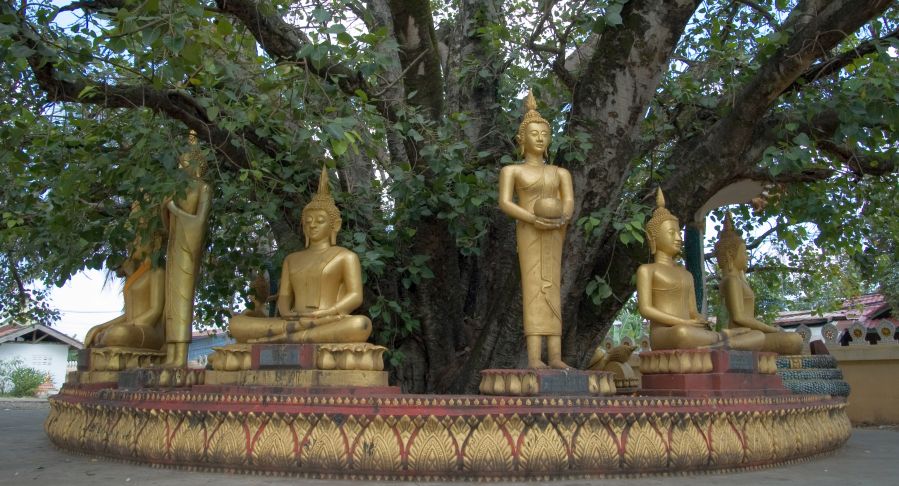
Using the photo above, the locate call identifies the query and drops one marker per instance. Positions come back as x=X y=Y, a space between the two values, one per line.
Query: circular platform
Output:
x=418 y=437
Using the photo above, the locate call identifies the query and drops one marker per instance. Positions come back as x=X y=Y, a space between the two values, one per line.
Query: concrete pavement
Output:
x=27 y=457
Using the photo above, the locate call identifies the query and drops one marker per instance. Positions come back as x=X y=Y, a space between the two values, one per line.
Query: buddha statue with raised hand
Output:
x=545 y=203
x=738 y=296
x=666 y=296
x=320 y=287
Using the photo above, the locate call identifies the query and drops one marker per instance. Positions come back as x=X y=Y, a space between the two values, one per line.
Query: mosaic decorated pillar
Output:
x=694 y=258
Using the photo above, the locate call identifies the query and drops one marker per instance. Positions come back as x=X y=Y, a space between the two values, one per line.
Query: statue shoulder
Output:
x=344 y=253
x=509 y=170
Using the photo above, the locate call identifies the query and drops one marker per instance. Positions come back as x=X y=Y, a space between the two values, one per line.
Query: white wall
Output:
x=47 y=357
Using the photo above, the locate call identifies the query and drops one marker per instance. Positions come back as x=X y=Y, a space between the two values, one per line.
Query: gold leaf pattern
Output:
x=378 y=448
x=276 y=444
x=154 y=436
x=325 y=449
x=726 y=445
x=561 y=439
x=595 y=448
x=644 y=448
x=189 y=438
x=432 y=449
x=487 y=450
x=689 y=448
x=228 y=441
x=759 y=441
x=542 y=450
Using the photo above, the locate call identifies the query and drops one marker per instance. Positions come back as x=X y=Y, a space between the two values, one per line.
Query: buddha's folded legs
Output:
x=684 y=337
x=346 y=329
x=128 y=335
x=342 y=329
x=744 y=339
x=783 y=343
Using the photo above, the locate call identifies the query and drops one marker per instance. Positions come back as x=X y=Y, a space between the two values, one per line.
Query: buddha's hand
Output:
x=318 y=314
x=699 y=321
x=546 y=224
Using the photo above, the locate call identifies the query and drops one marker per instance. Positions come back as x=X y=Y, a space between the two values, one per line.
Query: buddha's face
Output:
x=669 y=240
x=741 y=258
x=316 y=225
x=536 y=139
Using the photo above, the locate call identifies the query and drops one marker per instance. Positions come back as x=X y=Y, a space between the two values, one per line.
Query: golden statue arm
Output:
x=732 y=293
x=352 y=285
x=352 y=289
x=651 y=312
x=566 y=190
x=506 y=202
x=202 y=208
x=156 y=303
x=285 y=293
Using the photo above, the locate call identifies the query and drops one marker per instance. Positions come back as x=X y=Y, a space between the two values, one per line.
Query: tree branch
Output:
x=760 y=10
x=93 y=5
x=837 y=63
x=858 y=164
x=284 y=43
x=175 y=103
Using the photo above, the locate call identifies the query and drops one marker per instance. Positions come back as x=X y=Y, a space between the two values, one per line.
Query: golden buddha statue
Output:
x=186 y=219
x=319 y=287
x=545 y=203
x=141 y=326
x=159 y=302
x=667 y=299
x=738 y=296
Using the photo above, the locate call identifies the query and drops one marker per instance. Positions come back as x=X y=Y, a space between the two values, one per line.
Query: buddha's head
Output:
x=730 y=250
x=321 y=218
x=533 y=133
x=663 y=229
x=193 y=162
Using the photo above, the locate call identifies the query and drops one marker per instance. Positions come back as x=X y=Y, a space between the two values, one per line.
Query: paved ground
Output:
x=27 y=457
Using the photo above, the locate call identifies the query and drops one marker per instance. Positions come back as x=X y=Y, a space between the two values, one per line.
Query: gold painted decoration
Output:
x=325 y=448
x=275 y=446
x=432 y=449
x=596 y=446
x=686 y=441
x=645 y=448
x=488 y=449
x=414 y=437
x=228 y=440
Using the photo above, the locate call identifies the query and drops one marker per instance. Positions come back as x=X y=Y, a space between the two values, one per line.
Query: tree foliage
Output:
x=414 y=104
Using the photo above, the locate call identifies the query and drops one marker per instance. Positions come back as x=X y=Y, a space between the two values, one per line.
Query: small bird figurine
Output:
x=619 y=354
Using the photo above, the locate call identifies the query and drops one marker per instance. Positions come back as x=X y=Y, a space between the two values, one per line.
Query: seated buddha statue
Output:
x=142 y=324
x=666 y=297
x=738 y=296
x=320 y=286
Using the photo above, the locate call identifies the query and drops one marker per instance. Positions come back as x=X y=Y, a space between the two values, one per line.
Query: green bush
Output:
x=7 y=366
x=25 y=381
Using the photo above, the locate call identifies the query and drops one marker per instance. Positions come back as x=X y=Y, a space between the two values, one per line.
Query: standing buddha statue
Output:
x=738 y=296
x=187 y=218
x=667 y=299
x=545 y=203
x=319 y=287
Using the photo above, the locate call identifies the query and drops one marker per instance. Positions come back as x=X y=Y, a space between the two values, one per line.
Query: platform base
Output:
x=451 y=437
x=297 y=378
x=530 y=382
x=338 y=356
x=713 y=384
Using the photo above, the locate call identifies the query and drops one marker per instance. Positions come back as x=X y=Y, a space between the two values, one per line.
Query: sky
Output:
x=84 y=302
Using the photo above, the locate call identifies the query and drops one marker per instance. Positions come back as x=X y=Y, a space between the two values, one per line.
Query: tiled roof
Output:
x=11 y=332
x=868 y=309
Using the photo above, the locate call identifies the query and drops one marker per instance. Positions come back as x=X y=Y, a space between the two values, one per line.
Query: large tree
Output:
x=415 y=104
